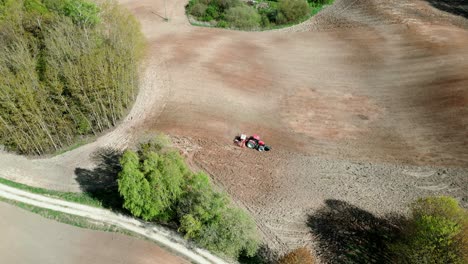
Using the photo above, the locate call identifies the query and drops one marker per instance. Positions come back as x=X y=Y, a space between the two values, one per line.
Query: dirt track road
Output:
x=365 y=103
x=28 y=238
x=153 y=232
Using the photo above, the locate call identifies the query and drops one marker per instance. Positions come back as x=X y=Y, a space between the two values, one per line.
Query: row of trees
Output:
x=156 y=185
x=67 y=68
x=261 y=15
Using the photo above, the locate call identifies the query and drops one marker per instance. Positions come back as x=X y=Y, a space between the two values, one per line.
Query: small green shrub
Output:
x=291 y=10
x=198 y=9
x=222 y=24
x=226 y=4
x=265 y=22
x=243 y=17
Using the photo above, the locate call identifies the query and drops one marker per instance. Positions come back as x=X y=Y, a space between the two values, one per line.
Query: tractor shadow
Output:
x=348 y=234
x=101 y=182
x=456 y=7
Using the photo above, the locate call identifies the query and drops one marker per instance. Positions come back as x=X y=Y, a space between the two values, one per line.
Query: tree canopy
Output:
x=436 y=233
x=67 y=68
x=156 y=184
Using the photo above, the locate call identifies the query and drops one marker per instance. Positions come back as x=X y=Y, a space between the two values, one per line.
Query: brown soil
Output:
x=29 y=238
x=367 y=103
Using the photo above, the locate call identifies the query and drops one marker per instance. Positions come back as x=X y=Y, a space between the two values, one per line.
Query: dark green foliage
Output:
x=262 y=15
x=67 y=68
x=198 y=9
x=152 y=184
x=291 y=10
x=157 y=185
x=81 y=12
x=320 y=2
x=436 y=233
x=243 y=17
x=208 y=218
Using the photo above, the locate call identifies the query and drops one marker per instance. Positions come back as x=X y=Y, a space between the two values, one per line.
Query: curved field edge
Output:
x=65 y=74
x=158 y=234
x=82 y=222
x=314 y=9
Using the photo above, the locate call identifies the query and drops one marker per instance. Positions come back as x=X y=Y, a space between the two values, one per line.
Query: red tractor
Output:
x=252 y=142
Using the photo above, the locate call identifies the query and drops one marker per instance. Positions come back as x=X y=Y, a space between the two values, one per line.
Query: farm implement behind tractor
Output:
x=252 y=142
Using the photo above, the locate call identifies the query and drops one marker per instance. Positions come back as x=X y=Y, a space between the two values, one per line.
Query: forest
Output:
x=68 y=68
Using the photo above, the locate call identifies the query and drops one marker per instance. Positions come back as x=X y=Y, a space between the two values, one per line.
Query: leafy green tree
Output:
x=157 y=185
x=198 y=10
x=81 y=12
x=209 y=219
x=160 y=177
x=291 y=10
x=235 y=232
x=134 y=187
x=243 y=17
x=436 y=233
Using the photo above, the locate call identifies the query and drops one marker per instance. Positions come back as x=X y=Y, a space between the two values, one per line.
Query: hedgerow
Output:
x=253 y=15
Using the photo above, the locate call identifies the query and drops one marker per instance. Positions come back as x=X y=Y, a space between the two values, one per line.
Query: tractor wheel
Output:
x=251 y=144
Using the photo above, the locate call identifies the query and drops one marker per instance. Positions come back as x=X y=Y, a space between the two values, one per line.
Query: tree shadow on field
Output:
x=101 y=182
x=263 y=256
x=348 y=234
x=456 y=7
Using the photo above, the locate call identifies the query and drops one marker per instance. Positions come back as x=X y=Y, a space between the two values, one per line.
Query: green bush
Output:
x=291 y=10
x=222 y=24
x=152 y=184
x=81 y=12
x=198 y=10
x=157 y=185
x=243 y=17
x=264 y=14
x=226 y=4
x=436 y=233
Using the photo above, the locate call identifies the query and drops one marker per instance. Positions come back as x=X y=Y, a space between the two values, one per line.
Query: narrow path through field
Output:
x=153 y=232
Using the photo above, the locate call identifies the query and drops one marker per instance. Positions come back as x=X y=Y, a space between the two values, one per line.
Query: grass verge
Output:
x=82 y=222
x=82 y=198
x=65 y=218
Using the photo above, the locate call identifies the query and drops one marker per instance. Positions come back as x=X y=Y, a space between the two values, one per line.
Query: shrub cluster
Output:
x=67 y=68
x=437 y=232
x=157 y=186
x=252 y=15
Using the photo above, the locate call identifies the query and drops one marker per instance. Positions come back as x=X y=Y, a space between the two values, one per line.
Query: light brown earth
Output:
x=366 y=103
x=28 y=238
